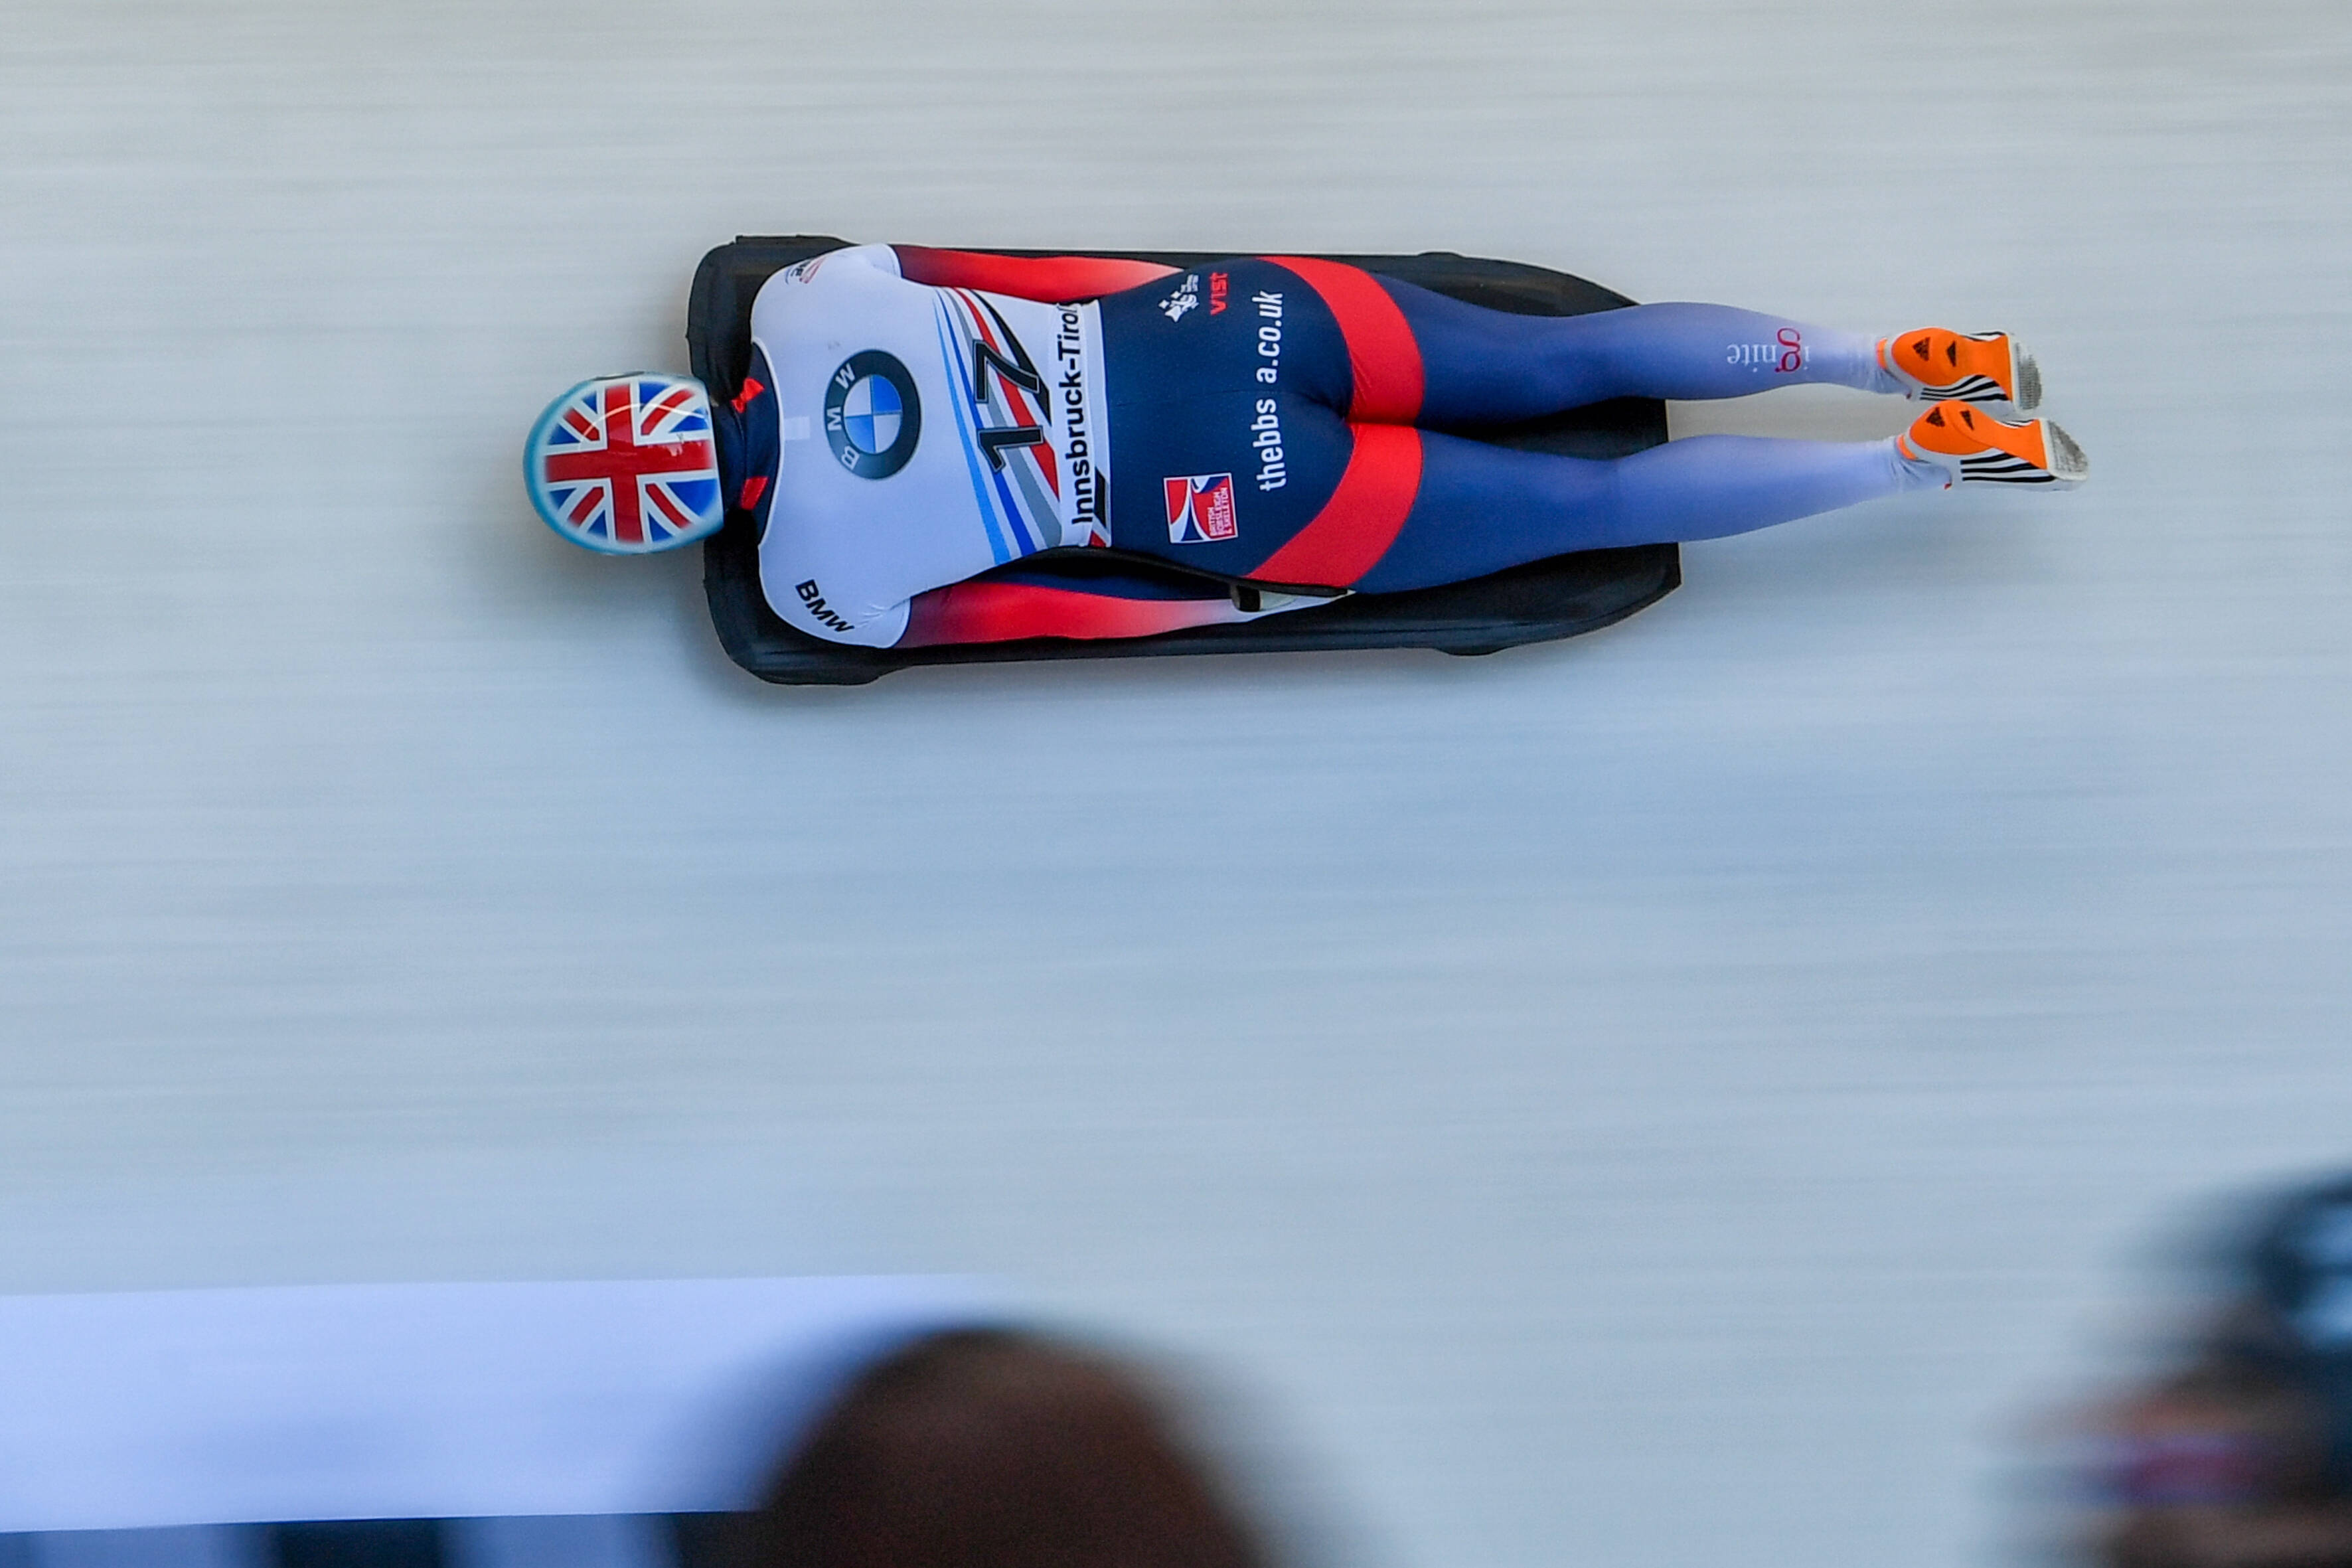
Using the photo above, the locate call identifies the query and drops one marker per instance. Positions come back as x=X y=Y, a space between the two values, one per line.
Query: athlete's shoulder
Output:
x=803 y=605
x=854 y=265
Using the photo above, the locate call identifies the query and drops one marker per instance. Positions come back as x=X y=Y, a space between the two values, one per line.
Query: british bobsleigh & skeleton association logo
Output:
x=1200 y=508
x=872 y=416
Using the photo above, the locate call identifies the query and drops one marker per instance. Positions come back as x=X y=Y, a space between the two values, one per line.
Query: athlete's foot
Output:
x=1969 y=445
x=1975 y=367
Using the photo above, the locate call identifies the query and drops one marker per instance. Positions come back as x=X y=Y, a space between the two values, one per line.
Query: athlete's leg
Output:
x=1474 y=508
x=1415 y=357
x=1481 y=366
x=1480 y=508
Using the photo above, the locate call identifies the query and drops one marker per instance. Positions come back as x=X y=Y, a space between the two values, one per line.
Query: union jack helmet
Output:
x=626 y=464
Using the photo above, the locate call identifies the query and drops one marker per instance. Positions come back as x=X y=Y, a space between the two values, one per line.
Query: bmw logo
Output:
x=872 y=416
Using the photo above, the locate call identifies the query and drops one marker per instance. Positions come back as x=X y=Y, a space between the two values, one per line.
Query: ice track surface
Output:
x=1686 y=1095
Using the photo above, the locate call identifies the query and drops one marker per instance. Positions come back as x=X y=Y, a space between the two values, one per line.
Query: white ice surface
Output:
x=147 y=1409
x=1686 y=1095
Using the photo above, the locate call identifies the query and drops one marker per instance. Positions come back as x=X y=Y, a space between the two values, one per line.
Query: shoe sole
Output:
x=2025 y=375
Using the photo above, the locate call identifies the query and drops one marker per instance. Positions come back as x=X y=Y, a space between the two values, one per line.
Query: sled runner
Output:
x=1564 y=597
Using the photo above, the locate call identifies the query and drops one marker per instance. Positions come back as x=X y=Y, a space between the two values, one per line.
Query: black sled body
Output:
x=1564 y=597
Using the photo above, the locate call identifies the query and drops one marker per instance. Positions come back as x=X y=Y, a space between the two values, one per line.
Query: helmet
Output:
x=626 y=464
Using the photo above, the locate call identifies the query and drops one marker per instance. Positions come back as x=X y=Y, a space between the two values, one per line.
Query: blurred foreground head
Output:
x=991 y=1448
x=2240 y=1454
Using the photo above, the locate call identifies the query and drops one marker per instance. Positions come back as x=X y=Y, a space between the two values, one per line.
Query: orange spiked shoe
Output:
x=1971 y=445
x=1975 y=367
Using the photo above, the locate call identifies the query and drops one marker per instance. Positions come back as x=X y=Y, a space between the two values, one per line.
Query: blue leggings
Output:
x=1328 y=398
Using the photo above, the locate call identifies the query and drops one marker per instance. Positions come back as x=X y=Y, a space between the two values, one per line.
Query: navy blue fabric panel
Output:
x=744 y=428
x=360 y=1544
x=1235 y=368
x=1052 y=572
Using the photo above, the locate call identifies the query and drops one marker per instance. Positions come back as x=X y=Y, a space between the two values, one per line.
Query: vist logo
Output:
x=1200 y=508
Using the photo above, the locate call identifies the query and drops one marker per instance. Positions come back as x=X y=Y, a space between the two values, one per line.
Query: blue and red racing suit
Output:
x=914 y=418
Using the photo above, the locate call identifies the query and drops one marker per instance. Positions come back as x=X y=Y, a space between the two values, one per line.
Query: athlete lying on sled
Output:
x=913 y=419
